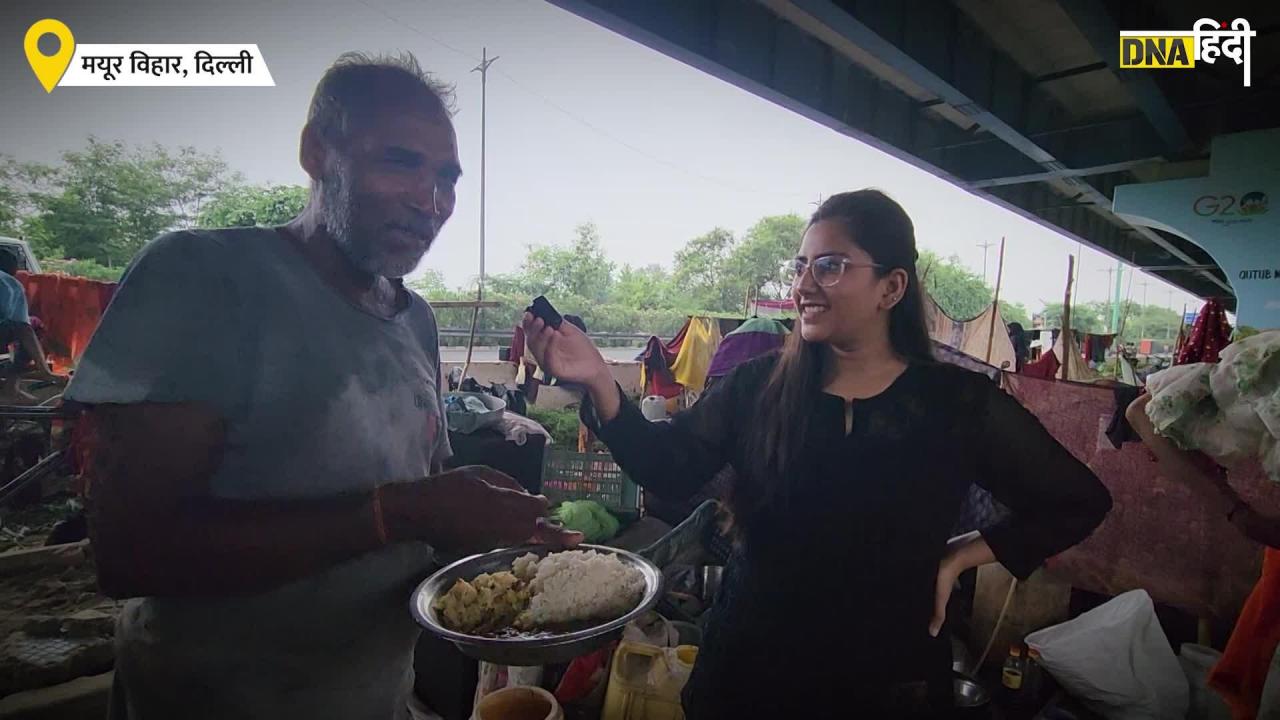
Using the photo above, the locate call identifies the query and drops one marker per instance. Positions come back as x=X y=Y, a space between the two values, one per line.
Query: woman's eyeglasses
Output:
x=826 y=270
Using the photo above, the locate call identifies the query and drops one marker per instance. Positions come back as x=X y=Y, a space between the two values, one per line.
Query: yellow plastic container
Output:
x=646 y=681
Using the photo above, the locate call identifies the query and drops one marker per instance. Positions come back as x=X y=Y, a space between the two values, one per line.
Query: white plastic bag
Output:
x=651 y=629
x=1269 y=706
x=1117 y=661
x=1197 y=662
x=493 y=678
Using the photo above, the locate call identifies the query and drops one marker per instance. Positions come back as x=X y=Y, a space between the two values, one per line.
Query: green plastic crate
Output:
x=589 y=476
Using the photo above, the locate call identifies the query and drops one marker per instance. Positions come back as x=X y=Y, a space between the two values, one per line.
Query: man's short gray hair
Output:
x=358 y=85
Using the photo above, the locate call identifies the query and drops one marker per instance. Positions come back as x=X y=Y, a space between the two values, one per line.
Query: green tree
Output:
x=1139 y=322
x=712 y=273
x=104 y=202
x=1085 y=317
x=755 y=265
x=1015 y=313
x=83 y=268
x=1150 y=322
x=192 y=179
x=259 y=205
x=581 y=270
x=21 y=187
x=430 y=285
x=579 y=279
x=646 y=288
x=701 y=271
x=16 y=213
x=11 y=195
x=960 y=292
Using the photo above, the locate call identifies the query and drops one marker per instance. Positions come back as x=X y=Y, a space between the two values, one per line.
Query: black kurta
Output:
x=826 y=602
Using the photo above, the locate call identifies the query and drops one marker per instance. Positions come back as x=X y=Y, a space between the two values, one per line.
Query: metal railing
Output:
x=505 y=335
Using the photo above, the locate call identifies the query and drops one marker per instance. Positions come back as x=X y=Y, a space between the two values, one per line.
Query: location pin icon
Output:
x=49 y=68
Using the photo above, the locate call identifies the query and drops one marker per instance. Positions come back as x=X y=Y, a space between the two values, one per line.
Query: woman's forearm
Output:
x=604 y=397
x=969 y=551
x=963 y=553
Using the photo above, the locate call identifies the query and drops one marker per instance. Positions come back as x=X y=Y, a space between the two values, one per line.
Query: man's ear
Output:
x=313 y=153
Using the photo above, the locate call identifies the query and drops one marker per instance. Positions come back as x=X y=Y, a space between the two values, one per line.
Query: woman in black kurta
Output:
x=853 y=452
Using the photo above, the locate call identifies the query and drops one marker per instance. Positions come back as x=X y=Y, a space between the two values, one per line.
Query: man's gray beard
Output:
x=339 y=204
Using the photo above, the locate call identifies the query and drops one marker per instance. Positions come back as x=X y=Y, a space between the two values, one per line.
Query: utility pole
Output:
x=995 y=304
x=1111 y=273
x=483 y=69
x=1115 y=306
x=1142 y=321
x=985 y=246
x=1079 y=272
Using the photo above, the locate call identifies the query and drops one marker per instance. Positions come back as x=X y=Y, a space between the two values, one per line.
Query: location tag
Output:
x=49 y=68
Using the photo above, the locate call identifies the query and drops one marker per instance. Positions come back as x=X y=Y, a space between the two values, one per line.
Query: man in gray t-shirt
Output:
x=16 y=330
x=267 y=483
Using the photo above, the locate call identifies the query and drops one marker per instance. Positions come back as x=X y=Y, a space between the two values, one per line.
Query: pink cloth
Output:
x=1045 y=368
x=1158 y=536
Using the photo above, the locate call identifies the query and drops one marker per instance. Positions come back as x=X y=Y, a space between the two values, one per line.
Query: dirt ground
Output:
x=48 y=591
x=45 y=591
x=54 y=624
x=28 y=527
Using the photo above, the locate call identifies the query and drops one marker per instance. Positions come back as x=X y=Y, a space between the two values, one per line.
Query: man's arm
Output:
x=156 y=530
x=1182 y=466
x=1177 y=464
x=31 y=344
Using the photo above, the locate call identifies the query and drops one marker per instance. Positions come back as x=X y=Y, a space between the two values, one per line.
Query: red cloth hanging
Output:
x=1096 y=346
x=673 y=347
x=1046 y=368
x=657 y=361
x=1209 y=335
x=70 y=308
x=1242 y=672
x=517 y=346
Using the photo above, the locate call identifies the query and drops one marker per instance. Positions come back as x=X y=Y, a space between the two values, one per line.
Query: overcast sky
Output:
x=583 y=125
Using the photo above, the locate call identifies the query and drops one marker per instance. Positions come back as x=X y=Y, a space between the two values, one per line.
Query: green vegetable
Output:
x=589 y=518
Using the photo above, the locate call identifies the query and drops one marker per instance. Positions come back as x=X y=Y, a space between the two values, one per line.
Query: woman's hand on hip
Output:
x=963 y=553
x=948 y=573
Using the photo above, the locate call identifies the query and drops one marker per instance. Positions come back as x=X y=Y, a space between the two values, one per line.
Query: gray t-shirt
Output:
x=13 y=299
x=319 y=398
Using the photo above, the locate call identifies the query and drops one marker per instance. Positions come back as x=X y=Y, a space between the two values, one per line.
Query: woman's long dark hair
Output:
x=881 y=227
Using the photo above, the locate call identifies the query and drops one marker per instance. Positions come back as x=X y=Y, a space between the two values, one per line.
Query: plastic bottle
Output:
x=645 y=682
x=1033 y=682
x=1012 y=674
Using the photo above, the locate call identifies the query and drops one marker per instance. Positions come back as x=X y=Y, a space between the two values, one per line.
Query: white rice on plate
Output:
x=577 y=585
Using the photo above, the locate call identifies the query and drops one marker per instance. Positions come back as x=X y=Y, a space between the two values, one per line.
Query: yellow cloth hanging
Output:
x=694 y=359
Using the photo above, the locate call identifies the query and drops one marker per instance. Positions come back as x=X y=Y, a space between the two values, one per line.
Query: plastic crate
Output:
x=589 y=476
